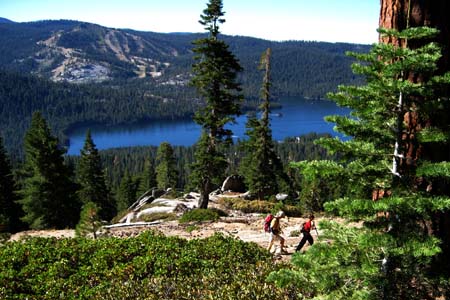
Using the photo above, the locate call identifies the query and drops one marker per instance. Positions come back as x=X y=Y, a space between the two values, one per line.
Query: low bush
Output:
x=220 y=212
x=260 y=206
x=199 y=215
x=191 y=228
x=149 y=266
x=4 y=237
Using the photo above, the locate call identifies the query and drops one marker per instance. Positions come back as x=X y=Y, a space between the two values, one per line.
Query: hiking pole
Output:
x=315 y=228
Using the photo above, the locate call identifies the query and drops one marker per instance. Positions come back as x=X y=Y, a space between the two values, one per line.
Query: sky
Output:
x=353 y=21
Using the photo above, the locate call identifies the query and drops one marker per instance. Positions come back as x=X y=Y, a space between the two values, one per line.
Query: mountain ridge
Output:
x=81 y=52
x=5 y=20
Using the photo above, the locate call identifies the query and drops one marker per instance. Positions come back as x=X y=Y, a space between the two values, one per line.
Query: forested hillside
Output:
x=128 y=76
x=66 y=105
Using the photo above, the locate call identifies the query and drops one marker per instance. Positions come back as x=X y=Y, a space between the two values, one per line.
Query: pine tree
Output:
x=90 y=221
x=148 y=178
x=48 y=193
x=166 y=167
x=391 y=256
x=261 y=166
x=92 y=181
x=10 y=212
x=126 y=195
x=215 y=78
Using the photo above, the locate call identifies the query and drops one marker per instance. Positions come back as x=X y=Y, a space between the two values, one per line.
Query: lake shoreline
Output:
x=296 y=116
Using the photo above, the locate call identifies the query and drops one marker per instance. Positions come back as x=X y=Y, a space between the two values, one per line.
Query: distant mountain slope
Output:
x=81 y=52
x=4 y=20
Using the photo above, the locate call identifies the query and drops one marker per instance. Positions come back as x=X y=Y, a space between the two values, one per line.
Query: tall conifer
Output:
x=215 y=78
x=9 y=210
x=261 y=166
x=126 y=195
x=166 y=167
x=148 y=178
x=92 y=180
x=48 y=191
x=391 y=256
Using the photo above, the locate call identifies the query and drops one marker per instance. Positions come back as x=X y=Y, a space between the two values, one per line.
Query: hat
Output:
x=280 y=214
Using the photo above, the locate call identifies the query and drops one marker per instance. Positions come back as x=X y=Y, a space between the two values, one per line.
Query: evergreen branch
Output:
x=414 y=206
x=316 y=168
x=418 y=248
x=440 y=169
x=442 y=79
x=413 y=33
x=352 y=148
x=433 y=135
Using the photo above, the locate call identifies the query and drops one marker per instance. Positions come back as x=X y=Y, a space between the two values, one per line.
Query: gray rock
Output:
x=281 y=196
x=180 y=208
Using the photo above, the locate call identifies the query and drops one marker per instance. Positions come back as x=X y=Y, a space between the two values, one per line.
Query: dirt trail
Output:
x=248 y=228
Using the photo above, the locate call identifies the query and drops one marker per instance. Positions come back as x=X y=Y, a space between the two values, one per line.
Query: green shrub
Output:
x=199 y=215
x=260 y=206
x=149 y=266
x=191 y=228
x=220 y=212
x=4 y=237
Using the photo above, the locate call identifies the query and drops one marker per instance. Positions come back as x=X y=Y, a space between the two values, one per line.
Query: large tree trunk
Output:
x=204 y=195
x=399 y=15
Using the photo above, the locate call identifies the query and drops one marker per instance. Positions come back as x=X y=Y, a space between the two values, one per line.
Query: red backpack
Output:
x=267 y=221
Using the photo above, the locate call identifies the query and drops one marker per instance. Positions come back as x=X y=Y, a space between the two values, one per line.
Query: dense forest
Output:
x=118 y=161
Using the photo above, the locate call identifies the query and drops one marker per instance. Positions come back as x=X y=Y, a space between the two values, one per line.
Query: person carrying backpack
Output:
x=275 y=232
x=306 y=230
x=267 y=222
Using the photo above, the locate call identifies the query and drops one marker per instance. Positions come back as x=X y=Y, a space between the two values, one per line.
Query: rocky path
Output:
x=248 y=228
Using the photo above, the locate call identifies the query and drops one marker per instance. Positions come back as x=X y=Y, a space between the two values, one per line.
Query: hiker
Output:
x=275 y=231
x=306 y=230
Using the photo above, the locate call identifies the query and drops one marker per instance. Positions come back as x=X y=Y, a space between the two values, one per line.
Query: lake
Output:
x=297 y=117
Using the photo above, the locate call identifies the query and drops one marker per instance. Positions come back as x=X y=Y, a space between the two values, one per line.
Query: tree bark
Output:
x=399 y=15
x=204 y=195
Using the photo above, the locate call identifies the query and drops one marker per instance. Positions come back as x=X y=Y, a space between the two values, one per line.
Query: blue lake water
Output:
x=297 y=117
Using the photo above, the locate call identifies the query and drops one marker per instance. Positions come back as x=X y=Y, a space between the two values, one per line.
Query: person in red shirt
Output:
x=306 y=230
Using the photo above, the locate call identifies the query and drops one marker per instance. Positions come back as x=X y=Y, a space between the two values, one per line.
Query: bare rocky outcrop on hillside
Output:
x=72 y=64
